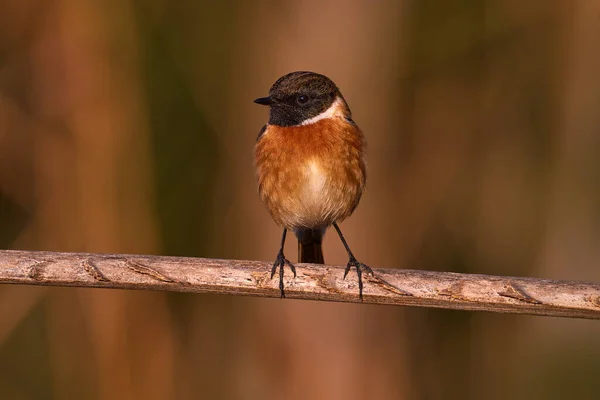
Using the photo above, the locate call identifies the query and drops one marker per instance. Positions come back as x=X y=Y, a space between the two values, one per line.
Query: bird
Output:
x=310 y=166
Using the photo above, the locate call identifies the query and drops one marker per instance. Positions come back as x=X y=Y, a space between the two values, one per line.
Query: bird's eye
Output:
x=303 y=99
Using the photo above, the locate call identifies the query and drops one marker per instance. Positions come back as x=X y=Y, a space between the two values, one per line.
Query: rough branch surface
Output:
x=314 y=282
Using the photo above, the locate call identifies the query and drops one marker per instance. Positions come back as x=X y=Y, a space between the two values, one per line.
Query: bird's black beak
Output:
x=263 y=101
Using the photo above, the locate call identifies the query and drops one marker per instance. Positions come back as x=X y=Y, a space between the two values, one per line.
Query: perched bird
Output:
x=310 y=166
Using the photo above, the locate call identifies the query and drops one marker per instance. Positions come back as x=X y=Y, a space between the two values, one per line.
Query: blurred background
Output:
x=128 y=126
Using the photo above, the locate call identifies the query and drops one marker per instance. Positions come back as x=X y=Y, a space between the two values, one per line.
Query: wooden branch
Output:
x=314 y=282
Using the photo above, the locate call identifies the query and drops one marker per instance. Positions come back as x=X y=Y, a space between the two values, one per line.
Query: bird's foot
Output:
x=280 y=262
x=360 y=268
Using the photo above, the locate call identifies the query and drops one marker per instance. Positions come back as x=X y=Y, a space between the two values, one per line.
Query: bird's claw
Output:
x=360 y=268
x=280 y=262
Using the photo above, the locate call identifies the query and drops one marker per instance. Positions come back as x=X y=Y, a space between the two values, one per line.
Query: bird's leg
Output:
x=353 y=262
x=280 y=262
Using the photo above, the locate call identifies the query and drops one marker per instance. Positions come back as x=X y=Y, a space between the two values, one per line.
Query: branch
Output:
x=314 y=282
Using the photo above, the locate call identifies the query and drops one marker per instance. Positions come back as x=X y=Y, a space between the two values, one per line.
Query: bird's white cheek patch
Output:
x=335 y=110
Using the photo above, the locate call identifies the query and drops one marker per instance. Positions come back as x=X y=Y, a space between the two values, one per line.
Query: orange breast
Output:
x=311 y=176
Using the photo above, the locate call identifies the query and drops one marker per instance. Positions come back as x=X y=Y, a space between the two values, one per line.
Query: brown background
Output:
x=128 y=126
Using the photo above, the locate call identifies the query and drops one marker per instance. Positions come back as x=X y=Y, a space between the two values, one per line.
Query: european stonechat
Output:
x=310 y=165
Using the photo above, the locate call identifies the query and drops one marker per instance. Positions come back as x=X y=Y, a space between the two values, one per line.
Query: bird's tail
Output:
x=310 y=246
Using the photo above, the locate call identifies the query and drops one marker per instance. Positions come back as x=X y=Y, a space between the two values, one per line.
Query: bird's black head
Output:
x=299 y=96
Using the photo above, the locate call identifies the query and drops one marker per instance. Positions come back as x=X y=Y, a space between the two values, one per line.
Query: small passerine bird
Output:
x=310 y=166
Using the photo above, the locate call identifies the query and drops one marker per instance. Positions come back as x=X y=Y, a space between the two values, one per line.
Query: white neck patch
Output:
x=335 y=110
